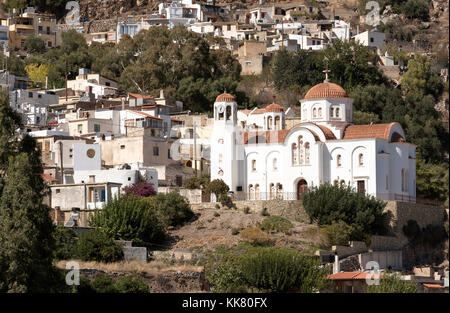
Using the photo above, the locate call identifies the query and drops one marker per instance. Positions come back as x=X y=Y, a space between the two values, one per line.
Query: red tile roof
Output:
x=259 y=111
x=380 y=131
x=48 y=178
x=274 y=108
x=268 y=136
x=351 y=276
x=326 y=90
x=176 y=120
x=136 y=95
x=225 y=97
x=146 y=114
x=433 y=286
x=327 y=132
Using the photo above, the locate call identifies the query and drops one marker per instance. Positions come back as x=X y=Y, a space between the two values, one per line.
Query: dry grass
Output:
x=133 y=266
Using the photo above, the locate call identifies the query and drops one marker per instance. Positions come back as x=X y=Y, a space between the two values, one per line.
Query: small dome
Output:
x=225 y=97
x=326 y=90
x=274 y=108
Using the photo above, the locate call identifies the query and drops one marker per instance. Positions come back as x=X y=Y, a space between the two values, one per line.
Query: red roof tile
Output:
x=259 y=111
x=48 y=178
x=327 y=132
x=136 y=95
x=351 y=276
x=433 y=286
x=274 y=108
x=268 y=136
x=380 y=131
x=225 y=97
x=147 y=115
x=326 y=90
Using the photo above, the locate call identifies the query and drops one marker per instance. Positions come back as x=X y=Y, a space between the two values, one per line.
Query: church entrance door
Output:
x=302 y=187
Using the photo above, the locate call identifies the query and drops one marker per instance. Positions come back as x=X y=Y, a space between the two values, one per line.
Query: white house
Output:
x=371 y=38
x=32 y=105
x=276 y=162
x=306 y=42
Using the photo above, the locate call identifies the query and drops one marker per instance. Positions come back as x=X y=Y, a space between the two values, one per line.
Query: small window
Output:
x=275 y=164
x=30 y=95
x=80 y=128
x=320 y=112
x=40 y=96
x=122 y=147
x=129 y=178
x=58 y=190
x=371 y=39
x=387 y=182
x=337 y=113
x=155 y=151
x=96 y=128
x=253 y=165
x=314 y=112
x=339 y=160
x=361 y=159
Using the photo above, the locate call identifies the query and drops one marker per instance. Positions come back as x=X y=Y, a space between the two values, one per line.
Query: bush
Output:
x=130 y=218
x=196 y=182
x=217 y=206
x=246 y=210
x=173 y=208
x=140 y=189
x=431 y=235
x=95 y=245
x=338 y=233
x=392 y=283
x=65 y=243
x=328 y=203
x=235 y=231
x=225 y=200
x=264 y=212
x=103 y=283
x=264 y=269
x=217 y=187
x=131 y=284
x=276 y=223
x=255 y=236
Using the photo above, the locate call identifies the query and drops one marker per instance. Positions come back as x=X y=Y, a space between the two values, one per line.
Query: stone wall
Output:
x=133 y=253
x=385 y=259
x=290 y=209
x=193 y=196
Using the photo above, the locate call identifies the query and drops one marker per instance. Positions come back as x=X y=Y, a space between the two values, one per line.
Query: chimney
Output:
x=336 y=266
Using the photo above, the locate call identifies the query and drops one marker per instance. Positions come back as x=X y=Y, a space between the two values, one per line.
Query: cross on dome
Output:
x=326 y=71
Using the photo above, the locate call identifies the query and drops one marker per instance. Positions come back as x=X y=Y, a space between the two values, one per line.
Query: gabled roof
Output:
x=352 y=276
x=47 y=178
x=269 y=136
x=136 y=95
x=380 y=131
x=146 y=114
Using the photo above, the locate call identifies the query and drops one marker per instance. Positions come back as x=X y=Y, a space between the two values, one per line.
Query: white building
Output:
x=371 y=38
x=306 y=42
x=32 y=105
x=181 y=12
x=276 y=162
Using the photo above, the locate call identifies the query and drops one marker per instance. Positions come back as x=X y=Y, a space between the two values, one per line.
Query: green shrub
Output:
x=217 y=206
x=246 y=210
x=65 y=243
x=85 y=286
x=264 y=269
x=196 y=182
x=264 y=212
x=173 y=207
x=130 y=218
x=235 y=231
x=392 y=283
x=216 y=214
x=328 y=203
x=338 y=233
x=217 y=187
x=225 y=200
x=95 y=245
x=276 y=223
x=103 y=283
x=131 y=284
x=255 y=236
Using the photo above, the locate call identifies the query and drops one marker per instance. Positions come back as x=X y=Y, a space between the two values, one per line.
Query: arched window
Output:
x=342 y=183
x=277 y=122
x=404 y=179
x=294 y=154
x=339 y=160
x=272 y=191
x=253 y=165
x=275 y=164
x=307 y=153
x=301 y=151
x=256 y=192
x=320 y=112
x=361 y=159
x=220 y=158
x=337 y=112
x=228 y=117
x=269 y=122
x=331 y=112
x=251 y=192
x=279 y=191
x=314 y=112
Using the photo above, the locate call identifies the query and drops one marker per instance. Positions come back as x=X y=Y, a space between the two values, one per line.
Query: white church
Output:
x=259 y=159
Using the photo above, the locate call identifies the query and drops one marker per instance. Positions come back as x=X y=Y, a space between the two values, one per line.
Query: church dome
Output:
x=274 y=108
x=326 y=90
x=225 y=97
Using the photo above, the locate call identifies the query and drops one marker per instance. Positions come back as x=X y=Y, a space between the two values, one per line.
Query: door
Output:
x=361 y=186
x=302 y=187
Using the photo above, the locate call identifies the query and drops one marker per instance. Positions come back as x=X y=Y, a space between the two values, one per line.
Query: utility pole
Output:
x=66 y=81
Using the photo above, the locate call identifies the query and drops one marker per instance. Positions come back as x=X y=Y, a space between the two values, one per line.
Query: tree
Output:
x=129 y=218
x=417 y=9
x=172 y=208
x=140 y=189
x=34 y=44
x=217 y=187
x=196 y=182
x=39 y=73
x=331 y=203
x=432 y=180
x=364 y=118
x=392 y=283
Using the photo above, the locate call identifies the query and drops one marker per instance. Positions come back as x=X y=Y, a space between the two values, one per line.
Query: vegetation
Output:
x=26 y=231
x=255 y=236
x=172 y=208
x=140 y=189
x=264 y=269
x=338 y=233
x=333 y=203
x=392 y=283
x=130 y=218
x=103 y=283
x=196 y=182
x=65 y=243
x=431 y=235
x=276 y=224
x=96 y=245
x=217 y=187
x=432 y=180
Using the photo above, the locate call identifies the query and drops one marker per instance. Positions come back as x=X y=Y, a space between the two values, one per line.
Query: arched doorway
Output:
x=302 y=187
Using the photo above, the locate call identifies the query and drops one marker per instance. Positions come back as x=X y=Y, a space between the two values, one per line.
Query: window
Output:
x=331 y=112
x=361 y=186
x=39 y=96
x=49 y=44
x=320 y=112
x=275 y=165
x=339 y=160
x=371 y=39
x=387 y=182
x=80 y=128
x=301 y=151
x=122 y=147
x=336 y=112
x=168 y=153
x=58 y=190
x=404 y=179
x=92 y=178
x=253 y=165
x=251 y=192
x=96 y=128
x=307 y=153
x=314 y=112
x=30 y=95
x=155 y=151
x=361 y=159
x=294 y=154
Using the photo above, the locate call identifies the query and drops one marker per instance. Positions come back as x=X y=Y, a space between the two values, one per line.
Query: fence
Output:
x=243 y=196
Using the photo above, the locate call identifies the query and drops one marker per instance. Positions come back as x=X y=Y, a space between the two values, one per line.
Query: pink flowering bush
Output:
x=140 y=189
